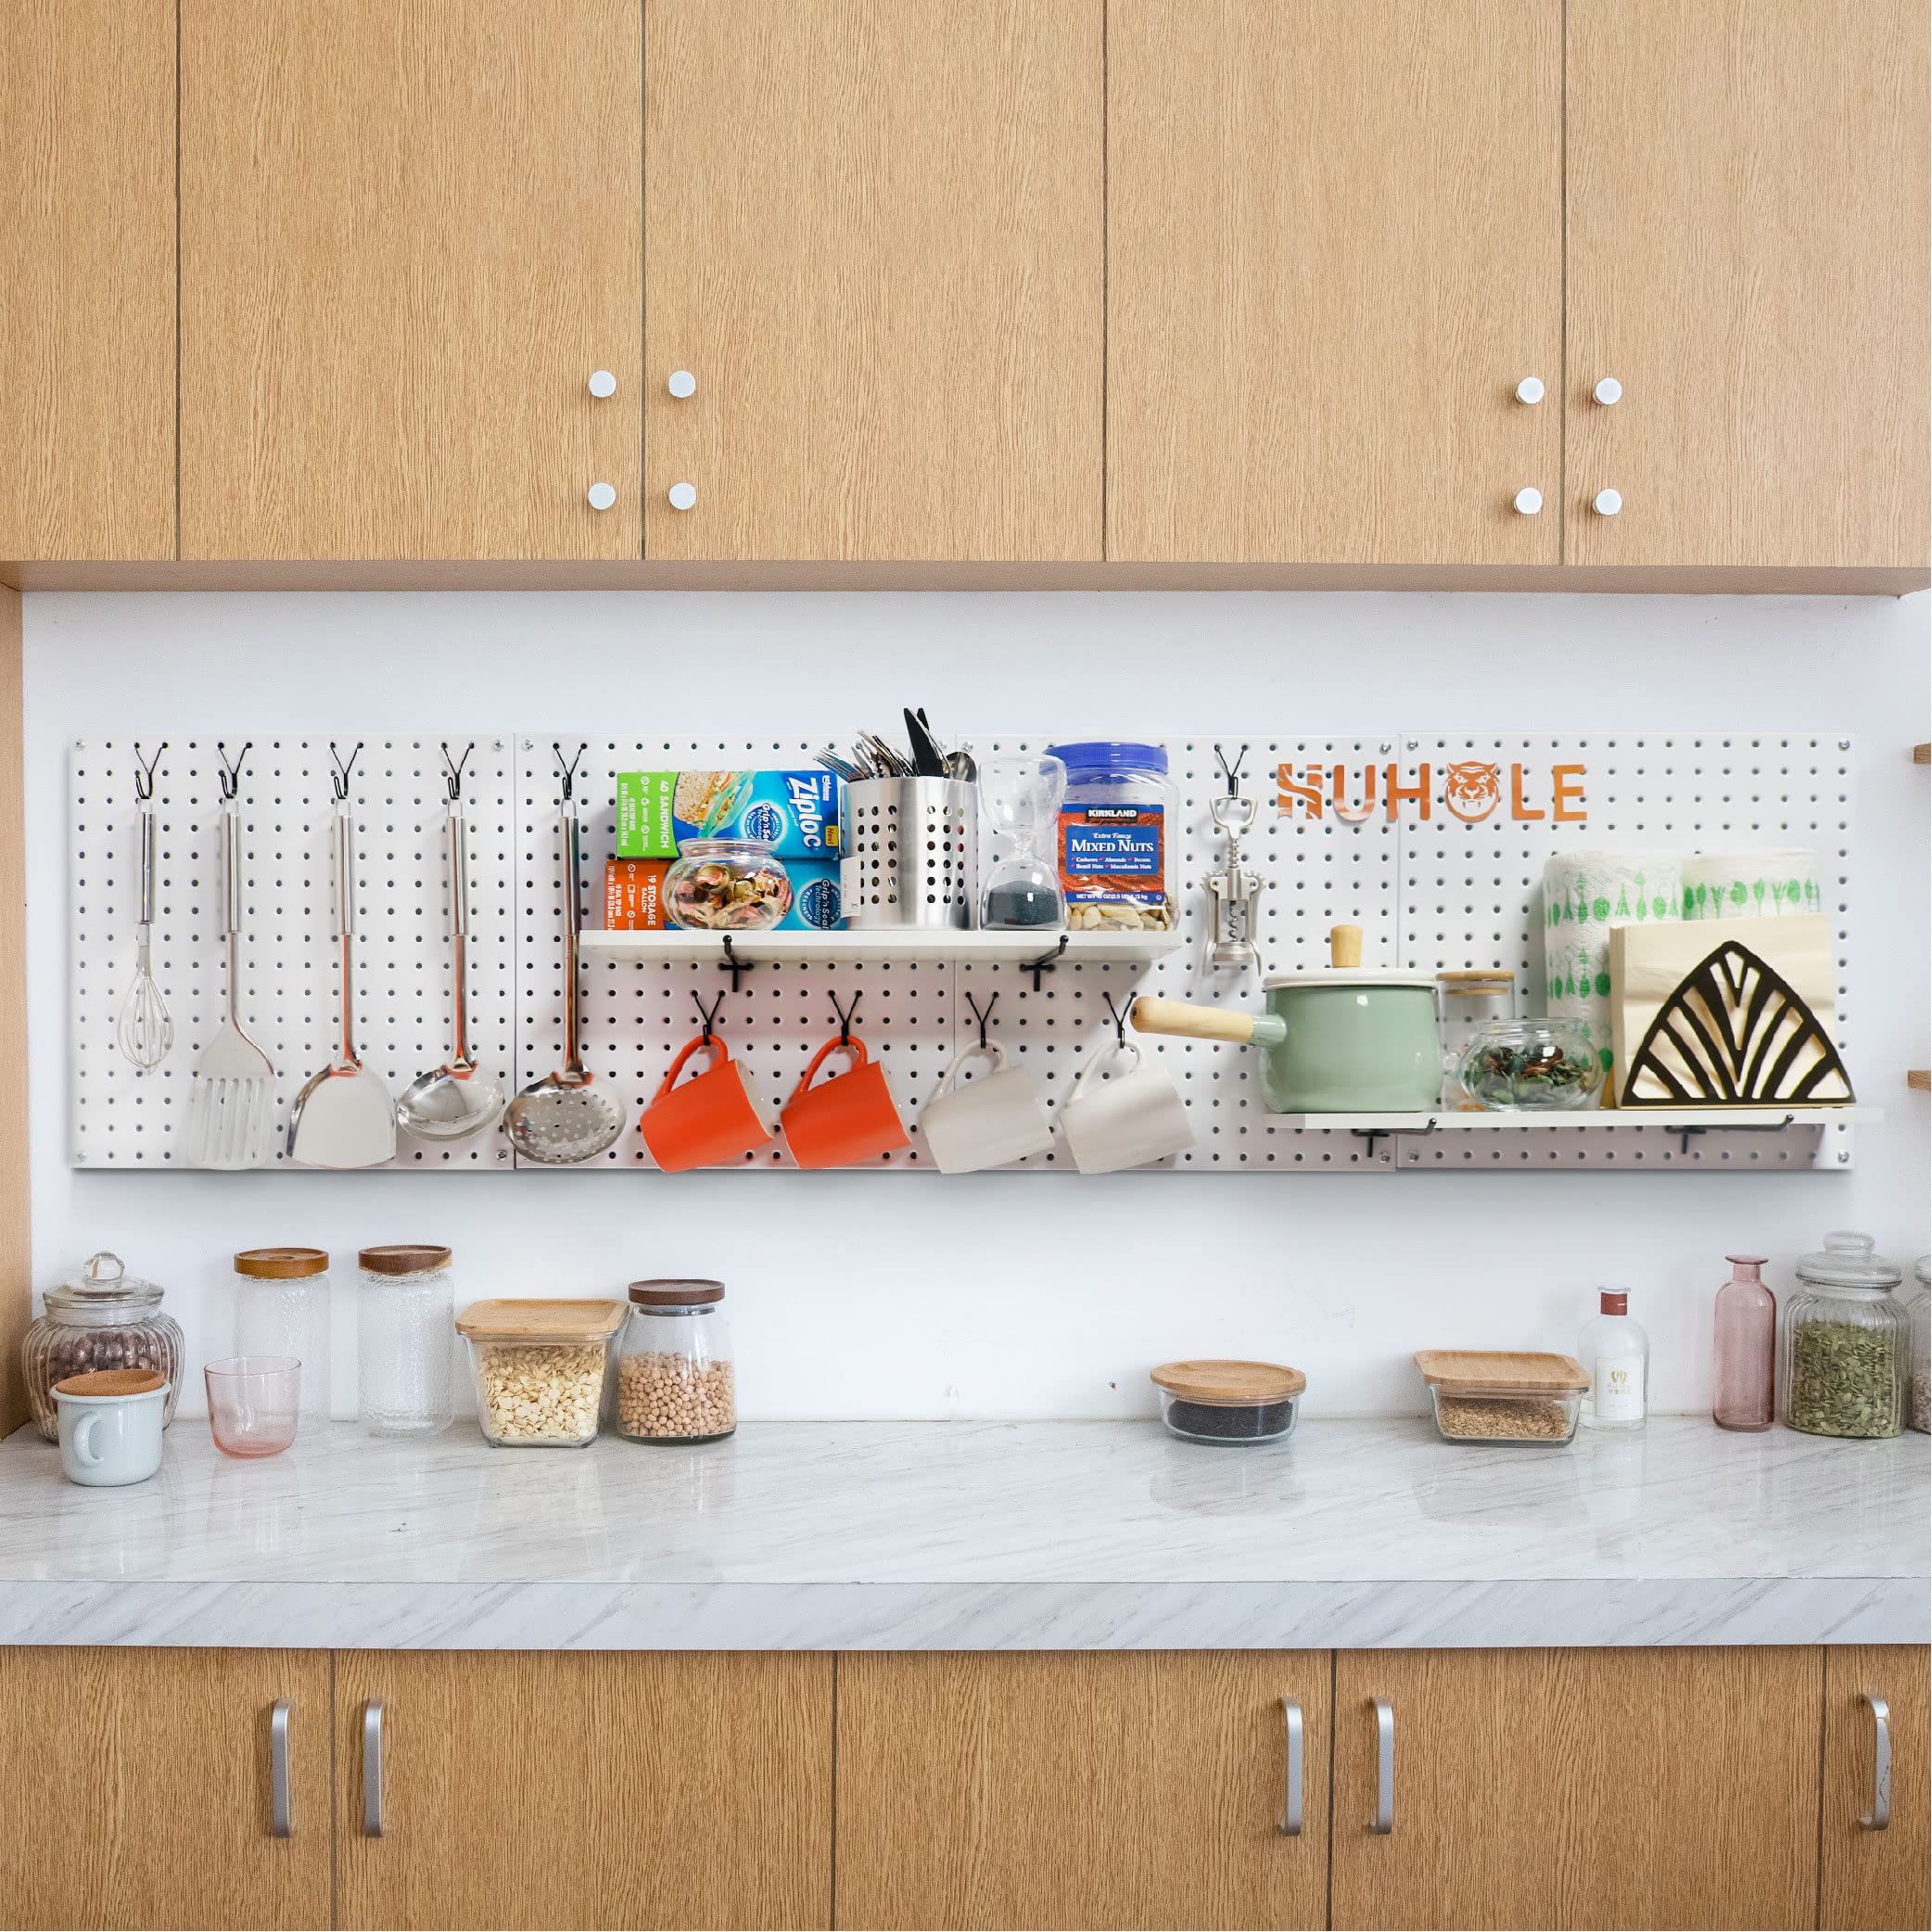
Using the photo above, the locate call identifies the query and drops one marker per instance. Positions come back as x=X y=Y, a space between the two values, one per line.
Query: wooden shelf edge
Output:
x=1919 y=1079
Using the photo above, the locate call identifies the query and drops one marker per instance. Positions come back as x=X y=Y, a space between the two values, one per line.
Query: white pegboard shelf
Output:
x=915 y=948
x=1676 y=1118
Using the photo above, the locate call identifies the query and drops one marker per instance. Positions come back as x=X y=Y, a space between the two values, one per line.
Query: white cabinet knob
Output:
x=682 y=496
x=1528 y=501
x=601 y=496
x=1529 y=390
x=1608 y=391
x=683 y=382
x=602 y=383
x=1607 y=502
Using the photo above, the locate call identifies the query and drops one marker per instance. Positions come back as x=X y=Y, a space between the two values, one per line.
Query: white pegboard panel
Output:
x=122 y=1117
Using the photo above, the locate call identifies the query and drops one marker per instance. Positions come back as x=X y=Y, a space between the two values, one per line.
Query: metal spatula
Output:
x=232 y=1117
x=345 y=1115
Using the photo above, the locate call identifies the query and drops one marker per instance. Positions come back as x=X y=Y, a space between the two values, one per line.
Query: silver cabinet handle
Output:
x=1384 y=1768
x=371 y=1768
x=1291 y=1807
x=281 y=1821
x=1880 y=1816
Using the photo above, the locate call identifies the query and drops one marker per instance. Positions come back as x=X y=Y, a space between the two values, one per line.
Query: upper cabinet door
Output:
x=1747 y=263
x=87 y=291
x=873 y=244
x=410 y=236
x=1334 y=253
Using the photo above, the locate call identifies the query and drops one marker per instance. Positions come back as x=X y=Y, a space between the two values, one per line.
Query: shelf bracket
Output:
x=1371 y=1135
x=732 y=964
x=1683 y=1134
x=1046 y=962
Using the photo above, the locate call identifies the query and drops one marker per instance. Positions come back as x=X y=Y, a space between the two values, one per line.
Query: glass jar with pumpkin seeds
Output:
x=1847 y=1342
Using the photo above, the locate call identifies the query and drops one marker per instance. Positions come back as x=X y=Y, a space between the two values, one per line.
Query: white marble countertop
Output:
x=980 y=1536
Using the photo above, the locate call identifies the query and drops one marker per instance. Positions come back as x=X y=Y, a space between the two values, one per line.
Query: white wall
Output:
x=916 y=1295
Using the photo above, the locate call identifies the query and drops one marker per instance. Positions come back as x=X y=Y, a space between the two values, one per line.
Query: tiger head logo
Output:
x=1472 y=791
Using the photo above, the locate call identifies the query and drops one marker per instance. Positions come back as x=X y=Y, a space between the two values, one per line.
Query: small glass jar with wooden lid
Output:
x=1469 y=1002
x=1213 y=1400
x=1496 y=1395
x=104 y=1317
x=282 y=1308
x=405 y=1369
x=541 y=1369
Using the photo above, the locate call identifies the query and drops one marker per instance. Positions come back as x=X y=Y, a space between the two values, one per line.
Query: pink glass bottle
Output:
x=1744 y=1347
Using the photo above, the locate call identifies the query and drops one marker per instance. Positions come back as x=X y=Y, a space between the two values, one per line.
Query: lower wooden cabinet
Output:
x=1080 y=1788
x=532 y=1788
x=1868 y=1878
x=142 y=1787
x=1577 y=1788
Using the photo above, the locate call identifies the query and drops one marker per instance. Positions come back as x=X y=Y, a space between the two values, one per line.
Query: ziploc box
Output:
x=817 y=904
x=796 y=813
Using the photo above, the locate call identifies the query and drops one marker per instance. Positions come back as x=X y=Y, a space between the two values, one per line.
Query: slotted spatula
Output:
x=345 y=1115
x=232 y=1117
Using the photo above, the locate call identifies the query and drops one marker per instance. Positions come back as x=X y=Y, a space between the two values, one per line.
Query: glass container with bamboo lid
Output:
x=282 y=1308
x=1470 y=1001
x=1212 y=1400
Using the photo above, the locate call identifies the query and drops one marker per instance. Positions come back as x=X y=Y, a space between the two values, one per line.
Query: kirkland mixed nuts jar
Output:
x=1846 y=1342
x=103 y=1318
x=675 y=1378
x=1119 y=837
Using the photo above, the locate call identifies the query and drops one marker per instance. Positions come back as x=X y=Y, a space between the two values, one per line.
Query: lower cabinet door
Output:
x=1078 y=1789
x=1876 y=1877
x=531 y=1789
x=145 y=1785
x=1639 y=1787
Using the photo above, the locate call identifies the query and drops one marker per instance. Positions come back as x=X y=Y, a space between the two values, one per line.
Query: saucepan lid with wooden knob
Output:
x=1345 y=968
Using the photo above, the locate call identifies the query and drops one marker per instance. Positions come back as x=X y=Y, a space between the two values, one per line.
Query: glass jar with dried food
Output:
x=1119 y=837
x=102 y=1318
x=1922 y=1346
x=728 y=885
x=541 y=1369
x=676 y=1379
x=1846 y=1342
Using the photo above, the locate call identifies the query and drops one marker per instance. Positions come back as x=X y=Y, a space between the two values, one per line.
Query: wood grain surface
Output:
x=1078 y=1789
x=1334 y=249
x=87 y=298
x=1877 y=1878
x=1747 y=215
x=409 y=235
x=874 y=235
x=1640 y=1787
x=638 y=1788
x=1460 y=1370
x=16 y=1228
x=141 y=1781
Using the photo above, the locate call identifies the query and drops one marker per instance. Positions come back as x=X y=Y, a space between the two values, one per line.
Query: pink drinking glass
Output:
x=252 y=1402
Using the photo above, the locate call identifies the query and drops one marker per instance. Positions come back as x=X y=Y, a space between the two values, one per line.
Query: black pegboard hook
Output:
x=1120 y=1021
x=230 y=774
x=1231 y=772
x=710 y=1018
x=340 y=777
x=568 y=770
x=986 y=1018
x=731 y=963
x=453 y=774
x=847 y=1014
x=144 y=772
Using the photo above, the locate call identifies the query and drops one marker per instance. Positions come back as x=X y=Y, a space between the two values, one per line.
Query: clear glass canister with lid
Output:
x=1119 y=837
x=282 y=1308
x=676 y=1381
x=104 y=1317
x=405 y=1340
x=1922 y=1346
x=1846 y=1342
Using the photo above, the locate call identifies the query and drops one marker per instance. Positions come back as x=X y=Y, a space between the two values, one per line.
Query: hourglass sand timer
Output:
x=1021 y=797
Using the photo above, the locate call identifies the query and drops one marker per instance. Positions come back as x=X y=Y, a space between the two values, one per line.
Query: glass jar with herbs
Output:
x=1846 y=1342
x=1922 y=1346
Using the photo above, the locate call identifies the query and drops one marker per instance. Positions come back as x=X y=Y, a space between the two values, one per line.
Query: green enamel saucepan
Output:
x=1345 y=1041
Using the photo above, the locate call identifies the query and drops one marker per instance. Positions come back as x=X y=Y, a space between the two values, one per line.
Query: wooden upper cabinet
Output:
x=1080 y=1788
x=638 y=1788
x=1632 y=1787
x=1334 y=250
x=152 y=1783
x=409 y=235
x=87 y=279
x=873 y=238
x=1877 y=1878
x=1748 y=258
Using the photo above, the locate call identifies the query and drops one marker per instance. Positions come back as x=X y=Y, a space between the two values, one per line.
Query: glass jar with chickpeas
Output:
x=675 y=1378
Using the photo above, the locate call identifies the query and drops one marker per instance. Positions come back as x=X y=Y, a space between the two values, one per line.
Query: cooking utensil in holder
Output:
x=911 y=853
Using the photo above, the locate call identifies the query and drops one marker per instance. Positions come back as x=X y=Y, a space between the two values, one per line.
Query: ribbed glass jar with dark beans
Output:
x=103 y=1318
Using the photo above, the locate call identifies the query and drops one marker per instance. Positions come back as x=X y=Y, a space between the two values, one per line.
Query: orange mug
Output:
x=851 y=1119
x=721 y=1115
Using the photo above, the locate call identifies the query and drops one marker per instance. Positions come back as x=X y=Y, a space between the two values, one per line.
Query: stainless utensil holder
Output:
x=910 y=854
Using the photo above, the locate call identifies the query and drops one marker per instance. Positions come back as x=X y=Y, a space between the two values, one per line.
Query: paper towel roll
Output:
x=1585 y=895
x=1751 y=884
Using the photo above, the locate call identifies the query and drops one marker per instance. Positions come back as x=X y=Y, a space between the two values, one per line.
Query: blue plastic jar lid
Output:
x=1104 y=755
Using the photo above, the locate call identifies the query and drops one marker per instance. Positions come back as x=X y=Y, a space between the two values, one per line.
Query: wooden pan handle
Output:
x=1192 y=1023
x=1345 y=947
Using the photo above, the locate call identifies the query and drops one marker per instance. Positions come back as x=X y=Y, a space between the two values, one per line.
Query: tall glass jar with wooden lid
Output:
x=405 y=1340
x=282 y=1308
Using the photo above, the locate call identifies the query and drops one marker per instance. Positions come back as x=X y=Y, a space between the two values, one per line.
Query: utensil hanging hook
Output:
x=1232 y=772
x=846 y=1015
x=568 y=770
x=986 y=1018
x=343 y=774
x=710 y=1019
x=454 y=773
x=230 y=774
x=1120 y=1021
x=144 y=773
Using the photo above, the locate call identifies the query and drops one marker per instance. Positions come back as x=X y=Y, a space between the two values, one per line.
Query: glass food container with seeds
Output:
x=1222 y=1401
x=404 y=1373
x=676 y=1380
x=1847 y=1342
x=1922 y=1346
x=541 y=1369
x=1483 y=1395
x=102 y=1318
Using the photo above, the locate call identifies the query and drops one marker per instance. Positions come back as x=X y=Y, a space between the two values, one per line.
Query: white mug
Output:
x=987 y=1122
x=106 y=1440
x=1127 y=1121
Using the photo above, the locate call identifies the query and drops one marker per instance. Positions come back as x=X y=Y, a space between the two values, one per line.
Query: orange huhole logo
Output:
x=1472 y=791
